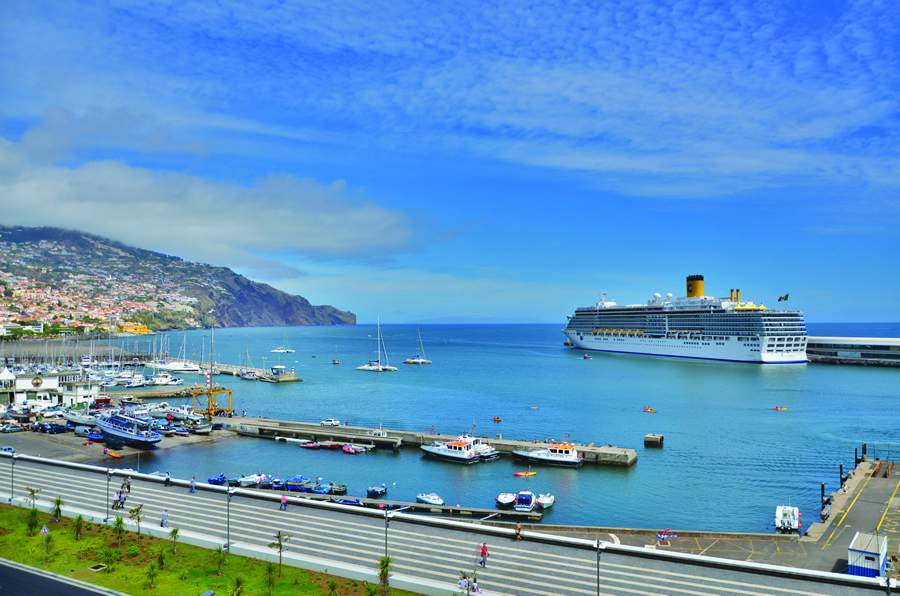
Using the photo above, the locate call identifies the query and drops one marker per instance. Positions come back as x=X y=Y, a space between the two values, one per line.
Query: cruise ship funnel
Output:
x=695 y=286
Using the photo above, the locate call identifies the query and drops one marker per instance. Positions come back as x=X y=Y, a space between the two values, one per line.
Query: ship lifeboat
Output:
x=649 y=410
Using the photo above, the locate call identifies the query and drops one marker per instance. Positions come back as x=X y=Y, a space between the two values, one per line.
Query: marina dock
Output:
x=605 y=455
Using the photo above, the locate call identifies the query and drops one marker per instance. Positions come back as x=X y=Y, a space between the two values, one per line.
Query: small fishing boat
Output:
x=787 y=519
x=219 y=480
x=249 y=480
x=429 y=499
x=525 y=501
x=277 y=483
x=356 y=502
x=331 y=489
x=264 y=481
x=293 y=483
x=182 y=432
x=525 y=474
x=331 y=445
x=505 y=500
x=545 y=501
x=95 y=437
x=376 y=492
x=554 y=454
x=649 y=410
x=351 y=450
x=310 y=445
x=200 y=428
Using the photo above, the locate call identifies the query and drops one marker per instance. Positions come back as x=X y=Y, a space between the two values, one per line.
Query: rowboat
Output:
x=376 y=492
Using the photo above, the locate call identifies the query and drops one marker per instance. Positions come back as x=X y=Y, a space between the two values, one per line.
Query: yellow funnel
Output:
x=695 y=286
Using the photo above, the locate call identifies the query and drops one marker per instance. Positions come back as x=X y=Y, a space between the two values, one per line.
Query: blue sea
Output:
x=728 y=460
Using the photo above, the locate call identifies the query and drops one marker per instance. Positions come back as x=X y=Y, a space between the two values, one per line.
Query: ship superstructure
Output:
x=695 y=326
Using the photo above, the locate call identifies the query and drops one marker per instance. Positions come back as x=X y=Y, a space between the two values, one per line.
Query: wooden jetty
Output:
x=606 y=455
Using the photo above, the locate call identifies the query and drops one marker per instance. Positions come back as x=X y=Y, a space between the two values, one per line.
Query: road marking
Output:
x=840 y=521
x=888 y=507
x=711 y=544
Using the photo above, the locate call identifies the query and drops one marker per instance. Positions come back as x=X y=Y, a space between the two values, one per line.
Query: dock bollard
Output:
x=822 y=498
x=855 y=456
x=842 y=475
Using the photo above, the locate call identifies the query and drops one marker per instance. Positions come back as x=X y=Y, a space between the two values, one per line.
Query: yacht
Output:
x=419 y=358
x=165 y=378
x=282 y=350
x=555 y=454
x=377 y=365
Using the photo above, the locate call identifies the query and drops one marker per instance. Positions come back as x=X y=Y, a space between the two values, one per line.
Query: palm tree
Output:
x=174 y=536
x=280 y=545
x=32 y=495
x=32 y=521
x=220 y=560
x=57 y=508
x=152 y=572
x=238 y=588
x=136 y=514
x=78 y=526
x=119 y=529
x=384 y=574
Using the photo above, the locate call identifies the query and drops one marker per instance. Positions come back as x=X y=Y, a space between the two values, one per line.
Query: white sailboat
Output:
x=419 y=358
x=284 y=348
x=377 y=365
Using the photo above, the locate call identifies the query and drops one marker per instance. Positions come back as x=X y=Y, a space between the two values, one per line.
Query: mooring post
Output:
x=842 y=475
x=822 y=498
x=855 y=456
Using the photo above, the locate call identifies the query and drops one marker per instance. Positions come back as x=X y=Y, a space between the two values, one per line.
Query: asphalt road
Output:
x=440 y=554
x=18 y=580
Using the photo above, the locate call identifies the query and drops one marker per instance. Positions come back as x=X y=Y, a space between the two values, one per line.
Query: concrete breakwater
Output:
x=607 y=455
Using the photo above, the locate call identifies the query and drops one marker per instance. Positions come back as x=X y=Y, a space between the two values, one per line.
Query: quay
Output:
x=870 y=351
x=607 y=455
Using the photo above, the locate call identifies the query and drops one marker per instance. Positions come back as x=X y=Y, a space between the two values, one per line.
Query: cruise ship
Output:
x=695 y=326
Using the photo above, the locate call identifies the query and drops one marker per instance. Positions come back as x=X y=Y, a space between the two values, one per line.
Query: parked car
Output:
x=8 y=449
x=330 y=422
x=57 y=428
x=82 y=431
x=11 y=428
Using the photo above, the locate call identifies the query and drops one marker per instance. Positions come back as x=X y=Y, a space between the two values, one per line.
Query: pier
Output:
x=607 y=455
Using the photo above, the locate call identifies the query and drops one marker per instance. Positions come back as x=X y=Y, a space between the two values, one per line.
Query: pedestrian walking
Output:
x=284 y=502
x=168 y=480
x=128 y=485
x=518 y=531
x=193 y=484
x=117 y=500
x=484 y=554
x=122 y=499
x=164 y=519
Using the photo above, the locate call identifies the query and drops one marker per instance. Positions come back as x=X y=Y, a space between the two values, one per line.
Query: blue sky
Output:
x=473 y=161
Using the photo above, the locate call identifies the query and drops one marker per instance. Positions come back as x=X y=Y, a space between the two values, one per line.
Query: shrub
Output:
x=161 y=558
x=32 y=521
x=133 y=551
x=78 y=526
x=109 y=557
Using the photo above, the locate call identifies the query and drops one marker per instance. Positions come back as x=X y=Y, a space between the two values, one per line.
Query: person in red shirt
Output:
x=484 y=554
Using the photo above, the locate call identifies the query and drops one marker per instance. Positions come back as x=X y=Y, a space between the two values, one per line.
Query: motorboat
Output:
x=282 y=350
x=310 y=445
x=294 y=482
x=249 y=481
x=459 y=451
x=136 y=381
x=555 y=454
x=80 y=417
x=331 y=488
x=506 y=500
x=376 y=492
x=331 y=445
x=277 y=483
x=525 y=501
x=787 y=519
x=377 y=365
x=356 y=502
x=497 y=419
x=649 y=410
x=164 y=378
x=220 y=480
x=545 y=501
x=586 y=357
x=128 y=429
x=419 y=358
x=200 y=428
x=429 y=499
x=336 y=361
x=351 y=450
x=247 y=374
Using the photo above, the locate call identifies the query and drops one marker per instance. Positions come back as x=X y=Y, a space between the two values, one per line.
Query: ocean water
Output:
x=728 y=460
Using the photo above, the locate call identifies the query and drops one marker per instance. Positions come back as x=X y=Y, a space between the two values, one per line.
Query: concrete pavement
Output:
x=436 y=555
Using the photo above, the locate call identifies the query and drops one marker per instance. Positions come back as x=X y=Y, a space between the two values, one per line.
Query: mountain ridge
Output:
x=182 y=292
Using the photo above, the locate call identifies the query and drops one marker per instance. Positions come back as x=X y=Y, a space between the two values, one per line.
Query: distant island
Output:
x=70 y=281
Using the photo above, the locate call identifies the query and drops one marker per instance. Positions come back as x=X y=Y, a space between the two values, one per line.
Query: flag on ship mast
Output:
x=783 y=298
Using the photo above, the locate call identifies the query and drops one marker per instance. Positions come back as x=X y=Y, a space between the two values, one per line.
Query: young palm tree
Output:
x=152 y=572
x=32 y=521
x=220 y=560
x=78 y=526
x=280 y=545
x=238 y=587
x=270 y=578
x=32 y=495
x=57 y=508
x=136 y=514
x=119 y=529
x=174 y=536
x=384 y=574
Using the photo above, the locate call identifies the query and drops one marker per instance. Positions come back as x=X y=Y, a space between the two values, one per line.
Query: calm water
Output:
x=728 y=460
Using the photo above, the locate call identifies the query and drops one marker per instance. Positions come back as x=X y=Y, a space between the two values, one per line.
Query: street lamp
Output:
x=600 y=547
x=12 y=478
x=109 y=475
x=229 y=492
x=387 y=519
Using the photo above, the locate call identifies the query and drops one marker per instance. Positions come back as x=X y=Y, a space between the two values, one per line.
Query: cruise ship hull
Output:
x=731 y=349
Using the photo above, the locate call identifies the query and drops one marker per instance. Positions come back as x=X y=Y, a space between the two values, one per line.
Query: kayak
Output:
x=528 y=473
x=114 y=454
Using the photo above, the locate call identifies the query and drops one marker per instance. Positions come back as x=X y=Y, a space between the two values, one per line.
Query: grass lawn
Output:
x=181 y=569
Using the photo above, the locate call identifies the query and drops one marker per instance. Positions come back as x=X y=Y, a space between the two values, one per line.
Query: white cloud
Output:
x=195 y=217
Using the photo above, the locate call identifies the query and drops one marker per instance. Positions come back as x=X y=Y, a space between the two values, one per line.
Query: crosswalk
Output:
x=419 y=550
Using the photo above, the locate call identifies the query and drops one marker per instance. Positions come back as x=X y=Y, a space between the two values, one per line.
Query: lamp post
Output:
x=12 y=478
x=109 y=474
x=229 y=492
x=600 y=547
x=387 y=519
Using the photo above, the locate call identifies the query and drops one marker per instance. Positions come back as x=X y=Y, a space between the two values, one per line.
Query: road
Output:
x=18 y=579
x=419 y=550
